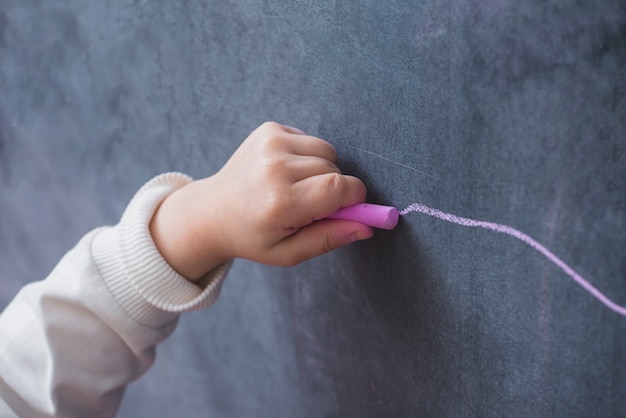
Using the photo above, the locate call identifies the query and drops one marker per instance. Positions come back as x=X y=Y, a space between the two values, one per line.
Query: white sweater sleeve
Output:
x=71 y=343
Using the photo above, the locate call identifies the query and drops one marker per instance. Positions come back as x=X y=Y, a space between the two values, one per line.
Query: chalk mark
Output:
x=508 y=230
x=391 y=161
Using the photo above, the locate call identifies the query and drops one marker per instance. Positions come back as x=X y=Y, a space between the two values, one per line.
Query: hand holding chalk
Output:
x=378 y=216
x=260 y=206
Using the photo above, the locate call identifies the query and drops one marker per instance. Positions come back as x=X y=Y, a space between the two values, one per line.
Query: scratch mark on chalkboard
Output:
x=391 y=161
x=508 y=230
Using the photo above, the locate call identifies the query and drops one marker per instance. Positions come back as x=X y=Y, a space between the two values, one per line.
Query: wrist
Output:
x=186 y=232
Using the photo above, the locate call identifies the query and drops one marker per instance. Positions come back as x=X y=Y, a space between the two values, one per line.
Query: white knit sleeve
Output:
x=146 y=287
x=71 y=343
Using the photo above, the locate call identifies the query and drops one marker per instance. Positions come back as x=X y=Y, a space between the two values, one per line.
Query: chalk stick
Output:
x=378 y=216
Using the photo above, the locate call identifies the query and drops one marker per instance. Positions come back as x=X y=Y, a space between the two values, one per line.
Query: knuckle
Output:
x=270 y=126
x=335 y=183
x=270 y=165
x=276 y=205
x=274 y=142
x=330 y=244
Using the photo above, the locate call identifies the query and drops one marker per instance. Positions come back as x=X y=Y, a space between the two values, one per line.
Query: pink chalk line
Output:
x=505 y=229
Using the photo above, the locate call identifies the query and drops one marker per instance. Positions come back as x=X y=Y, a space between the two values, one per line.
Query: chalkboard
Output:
x=502 y=111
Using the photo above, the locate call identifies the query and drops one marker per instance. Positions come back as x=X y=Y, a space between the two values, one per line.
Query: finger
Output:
x=317 y=239
x=319 y=196
x=301 y=168
x=299 y=143
x=307 y=145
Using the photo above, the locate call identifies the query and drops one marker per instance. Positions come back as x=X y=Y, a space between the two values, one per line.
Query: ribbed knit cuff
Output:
x=138 y=276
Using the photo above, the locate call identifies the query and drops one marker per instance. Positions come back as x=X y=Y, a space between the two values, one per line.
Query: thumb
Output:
x=318 y=238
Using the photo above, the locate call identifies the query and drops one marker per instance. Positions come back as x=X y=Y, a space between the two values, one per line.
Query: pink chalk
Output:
x=384 y=217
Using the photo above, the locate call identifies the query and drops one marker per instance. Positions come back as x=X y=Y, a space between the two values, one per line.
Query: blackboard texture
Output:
x=507 y=111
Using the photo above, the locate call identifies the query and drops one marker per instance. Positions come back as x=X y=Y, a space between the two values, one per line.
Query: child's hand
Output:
x=266 y=204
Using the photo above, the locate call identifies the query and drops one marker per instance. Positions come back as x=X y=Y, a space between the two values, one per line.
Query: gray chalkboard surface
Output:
x=504 y=111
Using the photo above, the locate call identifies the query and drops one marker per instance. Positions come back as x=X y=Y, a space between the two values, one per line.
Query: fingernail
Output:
x=293 y=128
x=360 y=235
